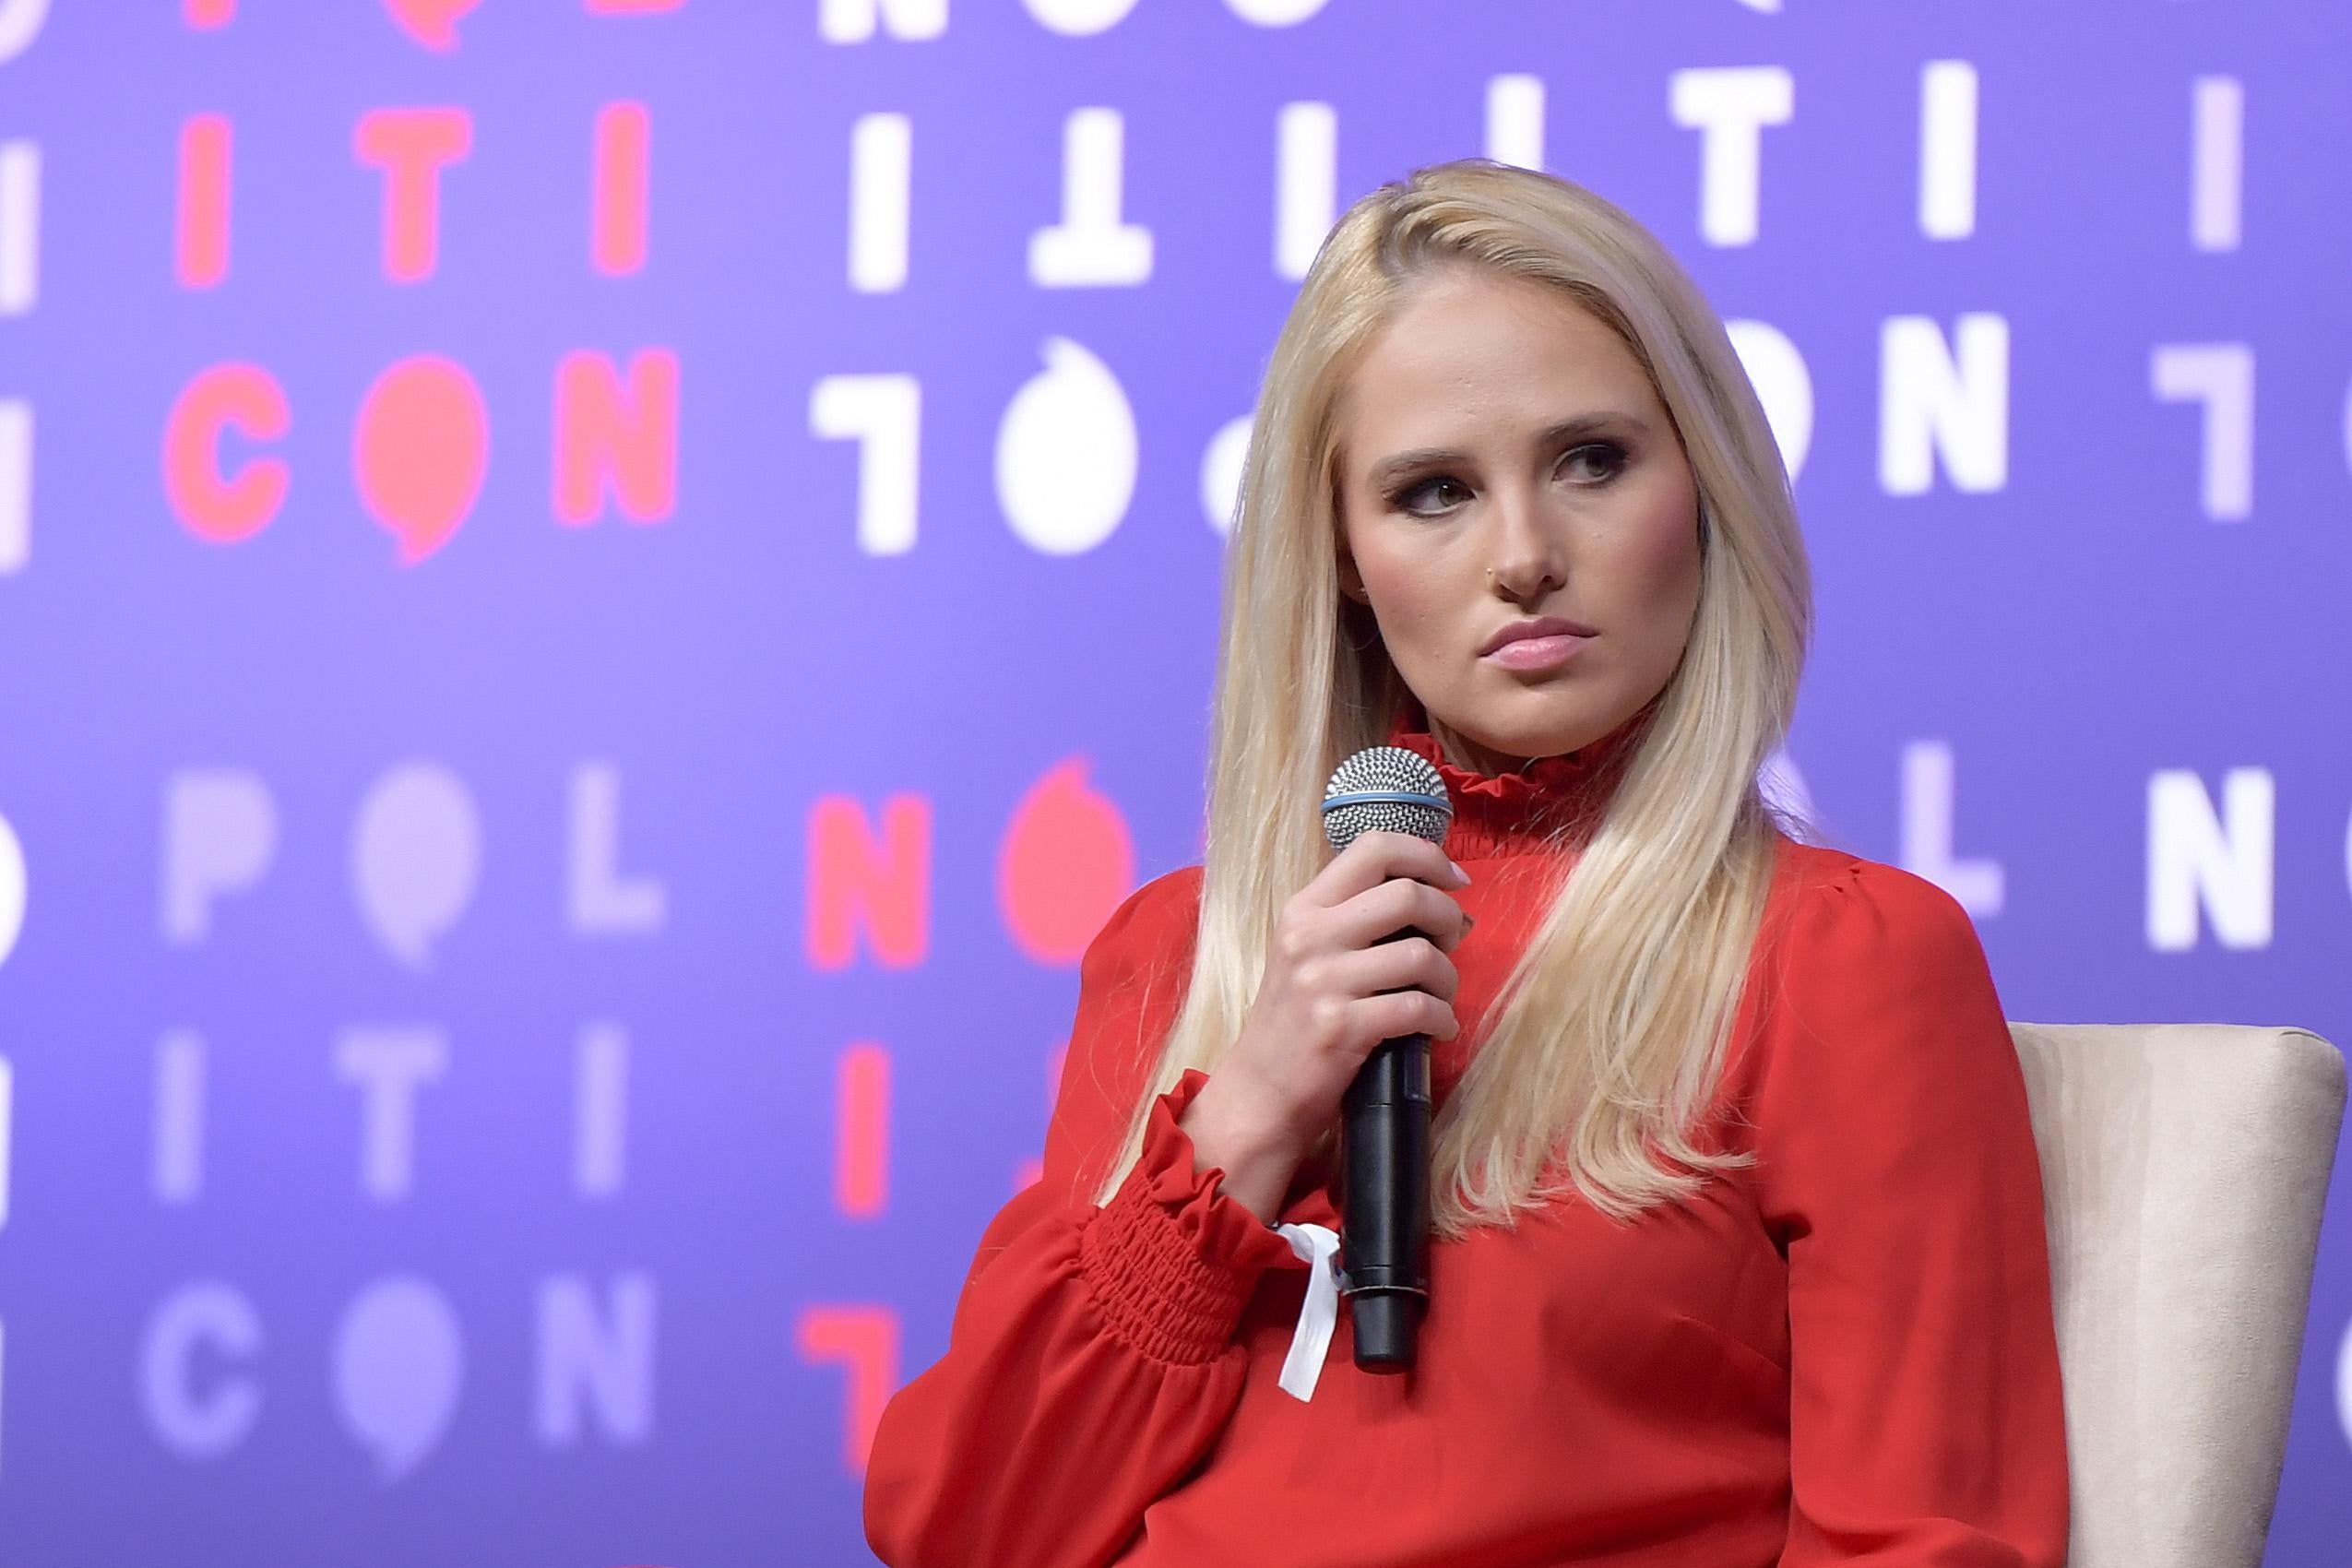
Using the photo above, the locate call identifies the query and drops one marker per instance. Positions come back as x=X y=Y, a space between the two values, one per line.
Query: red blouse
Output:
x=1844 y=1354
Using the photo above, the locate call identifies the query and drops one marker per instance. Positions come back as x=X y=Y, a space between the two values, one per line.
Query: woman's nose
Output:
x=1526 y=557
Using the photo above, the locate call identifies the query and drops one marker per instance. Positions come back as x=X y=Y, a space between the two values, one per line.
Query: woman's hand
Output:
x=1333 y=990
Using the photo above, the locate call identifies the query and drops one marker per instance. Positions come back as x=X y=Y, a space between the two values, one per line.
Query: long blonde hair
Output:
x=1608 y=1037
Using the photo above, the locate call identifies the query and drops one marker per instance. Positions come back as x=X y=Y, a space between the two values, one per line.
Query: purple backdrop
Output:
x=596 y=597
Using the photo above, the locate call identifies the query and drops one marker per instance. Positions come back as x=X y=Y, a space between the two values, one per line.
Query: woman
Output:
x=1738 y=1254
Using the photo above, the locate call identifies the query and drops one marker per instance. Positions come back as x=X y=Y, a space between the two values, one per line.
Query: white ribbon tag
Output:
x=1319 y=1315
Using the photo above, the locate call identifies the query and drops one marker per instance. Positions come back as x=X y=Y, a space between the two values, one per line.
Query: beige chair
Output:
x=2184 y=1166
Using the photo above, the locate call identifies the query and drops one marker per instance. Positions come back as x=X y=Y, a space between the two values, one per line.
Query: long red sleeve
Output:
x=1091 y=1359
x=1925 y=1428
x=1845 y=1355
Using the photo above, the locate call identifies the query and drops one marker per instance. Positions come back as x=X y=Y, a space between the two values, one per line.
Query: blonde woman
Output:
x=1737 y=1254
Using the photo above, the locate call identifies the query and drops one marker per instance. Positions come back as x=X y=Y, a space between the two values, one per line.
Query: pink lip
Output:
x=1541 y=627
x=1538 y=653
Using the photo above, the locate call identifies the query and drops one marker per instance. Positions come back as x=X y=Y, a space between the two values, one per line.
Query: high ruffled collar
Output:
x=1548 y=805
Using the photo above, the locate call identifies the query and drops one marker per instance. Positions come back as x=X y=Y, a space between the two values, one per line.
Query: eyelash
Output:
x=1406 y=492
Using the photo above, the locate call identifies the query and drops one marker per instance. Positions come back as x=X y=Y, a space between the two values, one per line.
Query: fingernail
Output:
x=1459 y=872
x=1468 y=922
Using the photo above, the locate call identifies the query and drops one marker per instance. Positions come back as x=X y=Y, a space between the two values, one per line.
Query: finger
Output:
x=1414 y=963
x=1397 y=1014
x=1394 y=906
x=1374 y=858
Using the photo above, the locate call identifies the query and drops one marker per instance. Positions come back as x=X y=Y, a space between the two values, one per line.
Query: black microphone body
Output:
x=1385 y=1118
x=1384 y=1113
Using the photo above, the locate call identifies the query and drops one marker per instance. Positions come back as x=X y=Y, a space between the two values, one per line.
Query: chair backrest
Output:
x=2184 y=1167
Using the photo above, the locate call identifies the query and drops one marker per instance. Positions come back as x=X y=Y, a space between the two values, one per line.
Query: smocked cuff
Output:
x=1171 y=1259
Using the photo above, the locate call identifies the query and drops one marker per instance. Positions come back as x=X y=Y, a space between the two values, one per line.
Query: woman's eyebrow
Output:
x=1396 y=465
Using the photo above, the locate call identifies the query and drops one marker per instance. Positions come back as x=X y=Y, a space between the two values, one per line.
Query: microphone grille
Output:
x=1385 y=790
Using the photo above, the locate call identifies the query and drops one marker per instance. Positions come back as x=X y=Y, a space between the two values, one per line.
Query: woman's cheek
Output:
x=1660 y=561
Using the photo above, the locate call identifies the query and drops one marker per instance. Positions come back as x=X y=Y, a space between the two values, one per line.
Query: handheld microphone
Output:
x=1384 y=1115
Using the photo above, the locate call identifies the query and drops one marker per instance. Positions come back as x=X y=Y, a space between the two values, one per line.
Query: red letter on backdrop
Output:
x=411 y=145
x=887 y=890
x=861 y=1132
x=632 y=436
x=866 y=1340
x=420 y=449
x=433 y=23
x=620 y=188
x=217 y=509
x=202 y=248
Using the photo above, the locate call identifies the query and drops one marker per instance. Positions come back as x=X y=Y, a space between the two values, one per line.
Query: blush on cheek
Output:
x=1665 y=549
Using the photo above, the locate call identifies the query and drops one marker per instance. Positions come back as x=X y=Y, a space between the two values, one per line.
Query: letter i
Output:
x=200 y=239
x=621 y=189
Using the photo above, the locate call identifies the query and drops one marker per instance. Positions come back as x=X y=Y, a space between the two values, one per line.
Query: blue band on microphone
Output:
x=1388 y=797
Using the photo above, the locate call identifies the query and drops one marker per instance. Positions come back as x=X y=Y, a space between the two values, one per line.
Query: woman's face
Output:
x=1504 y=458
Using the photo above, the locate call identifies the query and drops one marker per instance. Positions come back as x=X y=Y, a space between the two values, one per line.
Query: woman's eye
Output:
x=1608 y=453
x=1608 y=456
x=1403 y=498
